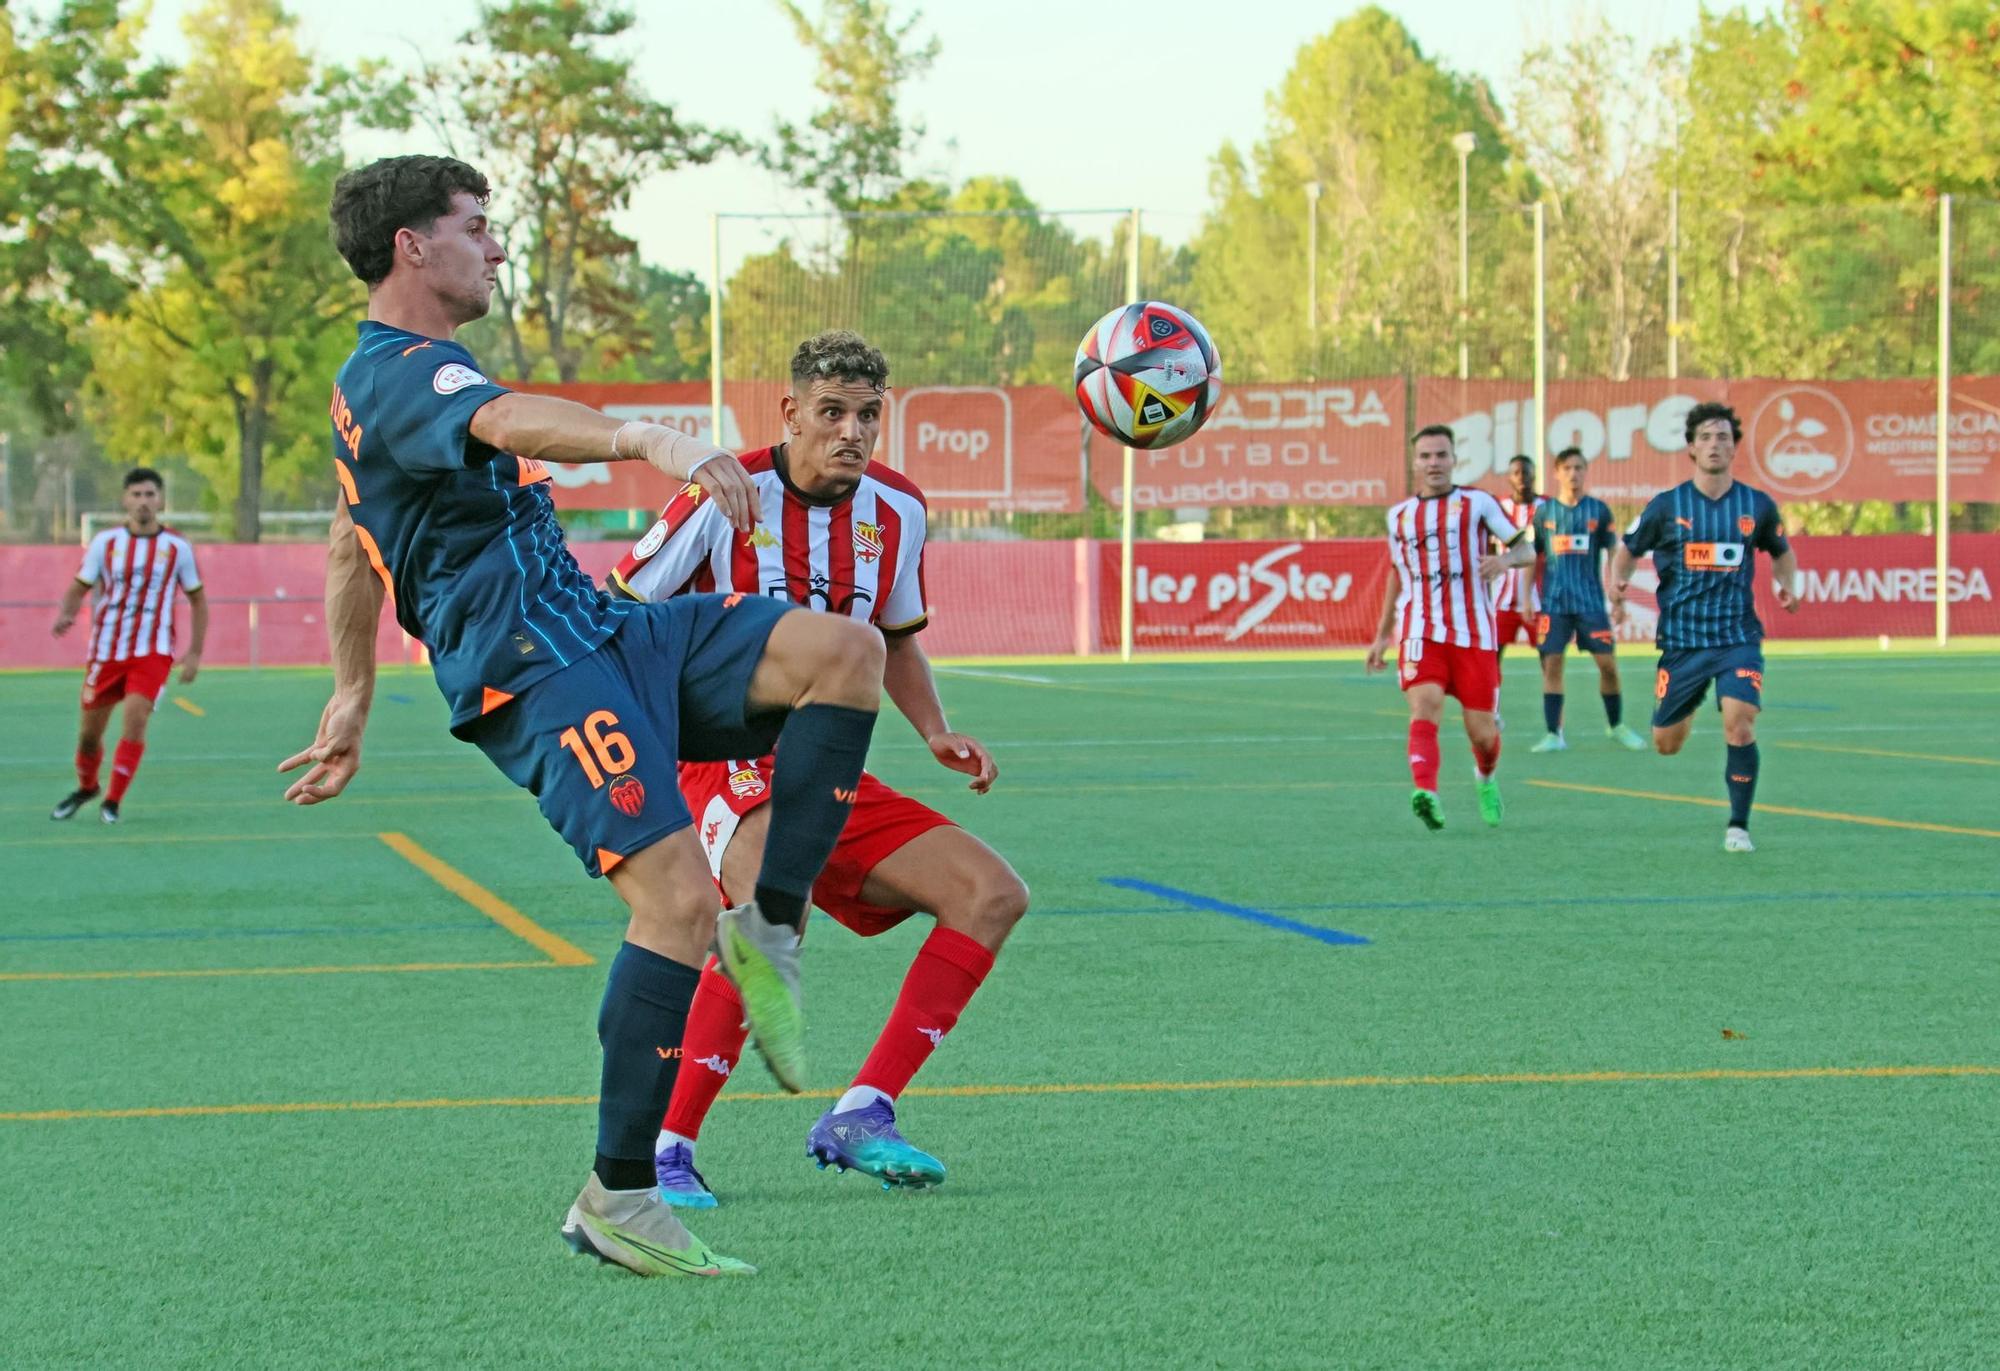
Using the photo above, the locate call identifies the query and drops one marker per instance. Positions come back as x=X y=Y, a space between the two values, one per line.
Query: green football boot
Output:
x=762 y=960
x=1426 y=806
x=636 y=1230
x=1490 y=808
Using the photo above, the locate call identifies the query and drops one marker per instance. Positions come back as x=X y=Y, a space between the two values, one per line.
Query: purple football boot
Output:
x=866 y=1139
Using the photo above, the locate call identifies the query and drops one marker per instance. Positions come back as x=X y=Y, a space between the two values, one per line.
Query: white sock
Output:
x=858 y=1097
x=1479 y=775
x=667 y=1140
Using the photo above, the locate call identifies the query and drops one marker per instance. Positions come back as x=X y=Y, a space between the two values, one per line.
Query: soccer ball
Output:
x=1147 y=375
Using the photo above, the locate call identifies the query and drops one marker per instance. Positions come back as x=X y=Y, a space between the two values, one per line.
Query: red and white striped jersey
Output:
x=862 y=556
x=135 y=577
x=1508 y=591
x=1435 y=543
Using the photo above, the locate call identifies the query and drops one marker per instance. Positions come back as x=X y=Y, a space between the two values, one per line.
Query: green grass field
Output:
x=1509 y=1130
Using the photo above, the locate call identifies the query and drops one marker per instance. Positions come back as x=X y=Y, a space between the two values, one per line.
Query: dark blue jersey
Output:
x=1704 y=552
x=464 y=536
x=1573 y=540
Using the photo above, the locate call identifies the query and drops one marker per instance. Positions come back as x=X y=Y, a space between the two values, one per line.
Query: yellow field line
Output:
x=1885 y=752
x=1797 y=1073
x=1827 y=814
x=559 y=950
x=194 y=972
x=191 y=707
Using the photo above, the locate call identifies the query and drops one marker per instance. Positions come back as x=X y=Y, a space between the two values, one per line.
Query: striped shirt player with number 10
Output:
x=137 y=571
x=1704 y=536
x=1439 y=608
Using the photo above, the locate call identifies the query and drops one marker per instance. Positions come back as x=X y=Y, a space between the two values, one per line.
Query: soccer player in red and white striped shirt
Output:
x=1438 y=606
x=1517 y=596
x=137 y=571
x=843 y=535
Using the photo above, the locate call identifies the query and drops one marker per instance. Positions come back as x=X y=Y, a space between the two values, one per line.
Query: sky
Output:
x=1088 y=105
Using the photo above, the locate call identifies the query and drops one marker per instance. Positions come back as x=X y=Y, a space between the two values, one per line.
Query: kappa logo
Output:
x=627 y=796
x=763 y=537
x=709 y=834
x=867 y=541
x=936 y=1035
x=716 y=1063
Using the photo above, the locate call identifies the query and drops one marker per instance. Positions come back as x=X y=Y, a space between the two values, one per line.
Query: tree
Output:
x=853 y=149
x=1593 y=122
x=241 y=309
x=1365 y=114
x=543 y=99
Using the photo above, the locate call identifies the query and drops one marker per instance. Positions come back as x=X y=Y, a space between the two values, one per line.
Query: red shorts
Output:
x=1470 y=675
x=1510 y=624
x=106 y=683
x=719 y=794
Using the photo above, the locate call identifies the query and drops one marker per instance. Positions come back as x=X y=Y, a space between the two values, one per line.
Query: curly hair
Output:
x=839 y=355
x=371 y=203
x=1713 y=409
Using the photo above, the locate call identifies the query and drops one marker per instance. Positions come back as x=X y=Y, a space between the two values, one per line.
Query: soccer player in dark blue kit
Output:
x=586 y=701
x=1704 y=536
x=1574 y=531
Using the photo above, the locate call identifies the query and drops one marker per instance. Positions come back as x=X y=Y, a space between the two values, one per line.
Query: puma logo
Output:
x=731 y=601
x=418 y=348
x=1687 y=524
x=716 y=1063
x=936 y=1035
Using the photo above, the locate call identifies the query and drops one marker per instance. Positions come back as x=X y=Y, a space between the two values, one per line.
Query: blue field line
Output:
x=1236 y=911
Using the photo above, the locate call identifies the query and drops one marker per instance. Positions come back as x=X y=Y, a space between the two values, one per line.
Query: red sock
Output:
x=1424 y=754
x=948 y=969
x=1487 y=758
x=124 y=762
x=86 y=767
x=710 y=1048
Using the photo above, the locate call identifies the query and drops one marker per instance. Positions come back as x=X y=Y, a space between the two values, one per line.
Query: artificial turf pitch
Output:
x=1182 y=1129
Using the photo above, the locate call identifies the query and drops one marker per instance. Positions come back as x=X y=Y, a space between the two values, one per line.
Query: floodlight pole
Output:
x=715 y=329
x=1463 y=144
x=1125 y=499
x=1541 y=340
x=1944 y=422
x=1312 y=274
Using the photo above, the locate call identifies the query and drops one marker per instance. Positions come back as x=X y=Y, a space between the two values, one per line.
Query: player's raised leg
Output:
x=977 y=899
x=825 y=672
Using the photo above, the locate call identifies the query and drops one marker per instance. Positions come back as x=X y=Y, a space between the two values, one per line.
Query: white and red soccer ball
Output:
x=1147 y=375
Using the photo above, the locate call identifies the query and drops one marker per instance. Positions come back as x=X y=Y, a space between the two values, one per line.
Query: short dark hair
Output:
x=138 y=476
x=371 y=203
x=1436 y=431
x=1714 y=409
x=1568 y=453
x=1523 y=457
x=839 y=354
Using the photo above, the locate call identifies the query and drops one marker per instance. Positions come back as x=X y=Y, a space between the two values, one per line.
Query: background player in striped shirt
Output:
x=1517 y=600
x=845 y=535
x=1704 y=536
x=1574 y=531
x=1439 y=609
x=137 y=572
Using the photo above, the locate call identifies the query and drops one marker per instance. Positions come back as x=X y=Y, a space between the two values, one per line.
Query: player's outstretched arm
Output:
x=907 y=677
x=550 y=429
x=353 y=609
x=72 y=603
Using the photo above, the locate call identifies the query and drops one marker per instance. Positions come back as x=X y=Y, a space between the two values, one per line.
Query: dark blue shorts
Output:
x=1590 y=632
x=598 y=743
x=1685 y=673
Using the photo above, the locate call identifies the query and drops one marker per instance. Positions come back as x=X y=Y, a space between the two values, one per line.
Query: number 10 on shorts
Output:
x=607 y=750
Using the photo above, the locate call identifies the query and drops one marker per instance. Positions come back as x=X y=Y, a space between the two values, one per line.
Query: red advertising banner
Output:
x=1272 y=444
x=966 y=447
x=1802 y=440
x=1206 y=596
x=1865 y=587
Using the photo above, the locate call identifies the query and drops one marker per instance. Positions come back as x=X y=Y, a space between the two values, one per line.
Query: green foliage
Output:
x=1369 y=118
x=851 y=152
x=544 y=99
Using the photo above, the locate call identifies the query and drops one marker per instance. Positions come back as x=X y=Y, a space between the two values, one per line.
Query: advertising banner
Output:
x=1210 y=596
x=1802 y=440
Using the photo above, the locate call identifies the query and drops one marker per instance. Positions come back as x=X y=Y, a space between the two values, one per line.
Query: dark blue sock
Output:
x=1552 y=711
x=1614 y=708
x=640 y=1024
x=1742 y=778
x=815 y=772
